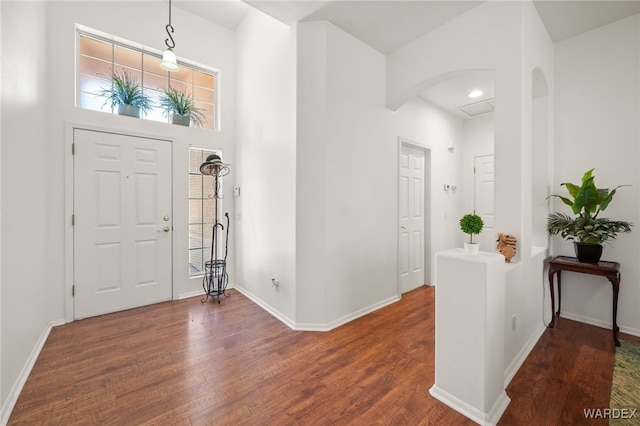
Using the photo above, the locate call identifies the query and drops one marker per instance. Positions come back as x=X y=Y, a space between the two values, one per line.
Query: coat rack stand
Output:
x=215 y=280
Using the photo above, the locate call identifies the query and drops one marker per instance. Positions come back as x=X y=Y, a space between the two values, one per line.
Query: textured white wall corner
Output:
x=470 y=332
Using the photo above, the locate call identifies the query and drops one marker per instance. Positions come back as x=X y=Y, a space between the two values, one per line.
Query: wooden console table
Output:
x=610 y=270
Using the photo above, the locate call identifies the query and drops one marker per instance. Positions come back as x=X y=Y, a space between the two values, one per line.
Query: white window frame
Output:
x=100 y=35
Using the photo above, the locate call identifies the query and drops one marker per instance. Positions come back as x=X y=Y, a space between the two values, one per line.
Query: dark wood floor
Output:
x=186 y=363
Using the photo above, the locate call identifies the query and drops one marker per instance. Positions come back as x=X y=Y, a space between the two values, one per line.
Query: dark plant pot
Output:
x=181 y=120
x=588 y=253
x=130 y=110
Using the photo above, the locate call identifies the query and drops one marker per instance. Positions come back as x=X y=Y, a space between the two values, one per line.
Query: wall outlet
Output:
x=274 y=282
x=513 y=323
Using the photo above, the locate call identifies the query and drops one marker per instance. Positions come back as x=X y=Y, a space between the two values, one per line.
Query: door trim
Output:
x=427 y=208
x=69 y=203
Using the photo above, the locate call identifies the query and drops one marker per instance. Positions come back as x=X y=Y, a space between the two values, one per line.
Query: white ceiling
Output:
x=227 y=13
x=567 y=18
x=453 y=93
x=387 y=25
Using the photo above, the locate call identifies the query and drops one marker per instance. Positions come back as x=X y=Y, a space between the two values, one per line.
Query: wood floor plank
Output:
x=189 y=363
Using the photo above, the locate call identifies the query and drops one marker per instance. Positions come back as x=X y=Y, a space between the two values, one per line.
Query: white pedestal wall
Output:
x=470 y=334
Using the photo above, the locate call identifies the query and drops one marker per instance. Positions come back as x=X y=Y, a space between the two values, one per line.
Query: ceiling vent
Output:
x=478 y=108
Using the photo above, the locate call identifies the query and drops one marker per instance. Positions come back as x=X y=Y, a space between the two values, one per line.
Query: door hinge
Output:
x=73 y=290
x=474 y=170
x=73 y=219
x=73 y=149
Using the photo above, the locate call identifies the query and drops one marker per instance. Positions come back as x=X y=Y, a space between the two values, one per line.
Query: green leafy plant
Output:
x=125 y=90
x=471 y=224
x=181 y=103
x=586 y=202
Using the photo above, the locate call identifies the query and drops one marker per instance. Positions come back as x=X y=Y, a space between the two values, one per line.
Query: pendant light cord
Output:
x=169 y=29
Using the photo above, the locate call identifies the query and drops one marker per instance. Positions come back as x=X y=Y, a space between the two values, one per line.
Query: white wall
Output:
x=266 y=166
x=541 y=160
x=478 y=137
x=485 y=38
x=524 y=297
x=426 y=125
x=509 y=38
x=1 y=109
x=346 y=195
x=598 y=126
x=25 y=172
x=311 y=163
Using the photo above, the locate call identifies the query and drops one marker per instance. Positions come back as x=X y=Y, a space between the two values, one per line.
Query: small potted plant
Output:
x=587 y=230
x=182 y=108
x=471 y=224
x=125 y=92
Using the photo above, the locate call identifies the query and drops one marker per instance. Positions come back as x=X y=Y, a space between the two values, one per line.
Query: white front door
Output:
x=122 y=222
x=483 y=200
x=412 y=218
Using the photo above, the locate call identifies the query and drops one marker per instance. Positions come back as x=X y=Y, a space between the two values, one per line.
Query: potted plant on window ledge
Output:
x=471 y=224
x=587 y=230
x=181 y=106
x=125 y=92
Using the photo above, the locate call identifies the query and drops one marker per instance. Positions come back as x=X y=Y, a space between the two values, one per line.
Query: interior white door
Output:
x=412 y=218
x=483 y=199
x=122 y=224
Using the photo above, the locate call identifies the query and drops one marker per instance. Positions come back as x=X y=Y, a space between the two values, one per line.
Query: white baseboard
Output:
x=486 y=419
x=14 y=393
x=315 y=326
x=255 y=299
x=629 y=330
x=515 y=365
x=346 y=318
x=600 y=323
x=199 y=292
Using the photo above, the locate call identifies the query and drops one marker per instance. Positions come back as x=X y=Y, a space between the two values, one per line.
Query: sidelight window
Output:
x=202 y=212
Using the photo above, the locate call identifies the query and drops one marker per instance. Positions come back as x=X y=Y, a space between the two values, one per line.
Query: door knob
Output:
x=402 y=227
x=166 y=229
x=165 y=218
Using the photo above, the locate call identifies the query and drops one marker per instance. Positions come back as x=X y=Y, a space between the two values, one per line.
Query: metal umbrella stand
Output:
x=215 y=280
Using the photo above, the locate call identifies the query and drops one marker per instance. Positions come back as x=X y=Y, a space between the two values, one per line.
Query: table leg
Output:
x=559 y=292
x=615 y=282
x=553 y=302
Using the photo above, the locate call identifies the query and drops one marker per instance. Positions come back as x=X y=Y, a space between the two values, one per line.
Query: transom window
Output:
x=99 y=57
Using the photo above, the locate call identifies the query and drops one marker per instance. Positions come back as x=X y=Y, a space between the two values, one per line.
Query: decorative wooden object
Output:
x=507 y=246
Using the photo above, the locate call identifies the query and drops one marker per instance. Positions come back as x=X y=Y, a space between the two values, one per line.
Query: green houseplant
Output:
x=587 y=230
x=125 y=92
x=471 y=224
x=182 y=108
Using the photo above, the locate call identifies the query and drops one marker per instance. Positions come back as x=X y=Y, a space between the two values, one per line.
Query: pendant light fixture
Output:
x=169 y=62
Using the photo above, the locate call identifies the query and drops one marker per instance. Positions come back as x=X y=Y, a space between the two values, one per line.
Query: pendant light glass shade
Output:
x=169 y=62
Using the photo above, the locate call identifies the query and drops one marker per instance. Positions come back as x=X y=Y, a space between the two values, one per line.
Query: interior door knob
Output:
x=166 y=229
x=165 y=218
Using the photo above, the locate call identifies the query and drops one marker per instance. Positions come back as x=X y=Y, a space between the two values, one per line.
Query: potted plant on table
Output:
x=471 y=224
x=125 y=92
x=182 y=108
x=587 y=230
